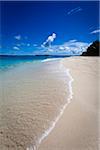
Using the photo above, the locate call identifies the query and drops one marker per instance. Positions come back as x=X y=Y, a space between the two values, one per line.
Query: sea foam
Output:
x=68 y=101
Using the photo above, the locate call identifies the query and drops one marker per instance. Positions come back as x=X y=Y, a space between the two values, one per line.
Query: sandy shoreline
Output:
x=78 y=127
x=32 y=95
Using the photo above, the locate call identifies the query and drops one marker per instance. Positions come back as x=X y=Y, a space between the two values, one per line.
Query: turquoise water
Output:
x=8 y=62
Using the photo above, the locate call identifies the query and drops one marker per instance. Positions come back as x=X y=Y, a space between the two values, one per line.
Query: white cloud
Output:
x=75 y=10
x=28 y=44
x=71 y=41
x=95 y=31
x=61 y=47
x=23 y=44
x=72 y=47
x=17 y=37
x=75 y=46
x=34 y=44
x=49 y=40
x=16 y=48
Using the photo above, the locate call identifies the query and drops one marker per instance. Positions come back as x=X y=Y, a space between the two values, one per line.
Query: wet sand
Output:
x=78 y=128
x=31 y=98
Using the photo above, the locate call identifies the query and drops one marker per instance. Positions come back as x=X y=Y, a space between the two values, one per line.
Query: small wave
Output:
x=53 y=123
x=50 y=59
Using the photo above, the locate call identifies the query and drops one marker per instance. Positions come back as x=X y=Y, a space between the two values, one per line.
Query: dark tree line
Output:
x=93 y=49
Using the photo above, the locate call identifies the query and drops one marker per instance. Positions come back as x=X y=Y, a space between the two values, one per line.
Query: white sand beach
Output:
x=78 y=128
x=32 y=96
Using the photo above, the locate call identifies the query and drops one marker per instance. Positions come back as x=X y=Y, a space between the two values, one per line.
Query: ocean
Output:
x=10 y=61
x=34 y=92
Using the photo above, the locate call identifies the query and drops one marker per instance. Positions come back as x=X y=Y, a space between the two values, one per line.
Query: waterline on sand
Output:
x=53 y=123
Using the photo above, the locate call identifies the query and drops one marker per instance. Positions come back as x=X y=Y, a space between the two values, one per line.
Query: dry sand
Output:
x=78 y=127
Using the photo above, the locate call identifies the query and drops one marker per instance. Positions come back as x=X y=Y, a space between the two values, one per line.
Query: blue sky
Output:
x=48 y=27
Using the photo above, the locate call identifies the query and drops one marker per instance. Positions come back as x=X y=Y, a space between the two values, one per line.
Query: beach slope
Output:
x=78 y=127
